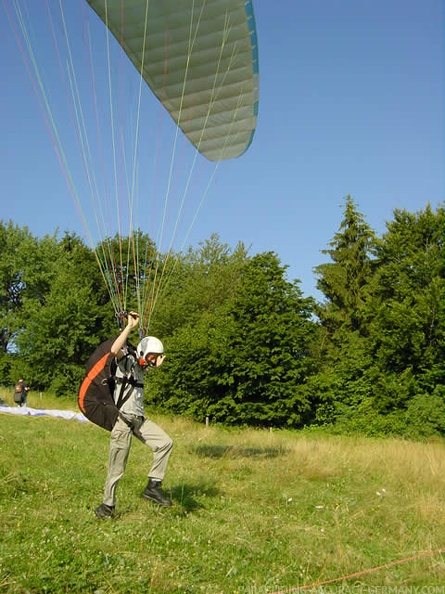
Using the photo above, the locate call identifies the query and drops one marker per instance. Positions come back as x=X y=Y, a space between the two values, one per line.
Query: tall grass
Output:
x=254 y=512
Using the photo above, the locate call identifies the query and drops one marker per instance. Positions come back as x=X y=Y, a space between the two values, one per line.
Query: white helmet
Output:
x=149 y=344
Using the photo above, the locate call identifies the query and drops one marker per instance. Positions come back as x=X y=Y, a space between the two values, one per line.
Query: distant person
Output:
x=20 y=392
x=150 y=354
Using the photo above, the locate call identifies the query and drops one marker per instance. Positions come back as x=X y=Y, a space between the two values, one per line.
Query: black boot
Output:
x=104 y=511
x=153 y=492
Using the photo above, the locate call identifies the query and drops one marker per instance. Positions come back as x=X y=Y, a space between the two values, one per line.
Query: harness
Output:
x=96 y=398
x=123 y=382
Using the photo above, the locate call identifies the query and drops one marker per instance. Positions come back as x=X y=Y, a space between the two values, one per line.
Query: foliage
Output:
x=200 y=281
x=244 y=347
x=383 y=345
x=341 y=384
x=408 y=297
x=245 y=359
x=62 y=314
x=129 y=267
x=344 y=281
x=16 y=247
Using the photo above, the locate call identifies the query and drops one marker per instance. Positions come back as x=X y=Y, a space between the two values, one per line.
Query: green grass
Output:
x=254 y=511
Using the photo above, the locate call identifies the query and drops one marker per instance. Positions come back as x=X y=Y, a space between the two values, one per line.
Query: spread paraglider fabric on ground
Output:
x=36 y=412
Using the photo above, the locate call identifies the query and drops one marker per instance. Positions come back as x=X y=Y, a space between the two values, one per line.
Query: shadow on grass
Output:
x=223 y=451
x=186 y=494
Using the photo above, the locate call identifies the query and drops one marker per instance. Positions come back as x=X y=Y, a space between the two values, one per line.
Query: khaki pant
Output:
x=120 y=442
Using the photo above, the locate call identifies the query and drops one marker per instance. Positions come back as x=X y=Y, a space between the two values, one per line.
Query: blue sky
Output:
x=351 y=103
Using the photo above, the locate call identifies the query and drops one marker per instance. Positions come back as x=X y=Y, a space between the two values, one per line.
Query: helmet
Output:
x=149 y=344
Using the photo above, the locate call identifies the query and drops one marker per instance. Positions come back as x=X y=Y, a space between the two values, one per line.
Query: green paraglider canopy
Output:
x=200 y=58
x=124 y=168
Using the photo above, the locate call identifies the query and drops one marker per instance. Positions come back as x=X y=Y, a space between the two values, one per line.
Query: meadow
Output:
x=255 y=512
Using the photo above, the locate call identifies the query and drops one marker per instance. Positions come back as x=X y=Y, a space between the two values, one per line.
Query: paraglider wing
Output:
x=200 y=58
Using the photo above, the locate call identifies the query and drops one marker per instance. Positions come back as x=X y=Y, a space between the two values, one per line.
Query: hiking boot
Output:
x=153 y=492
x=104 y=511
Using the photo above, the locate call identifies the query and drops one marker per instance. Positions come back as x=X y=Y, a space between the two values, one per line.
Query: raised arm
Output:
x=121 y=340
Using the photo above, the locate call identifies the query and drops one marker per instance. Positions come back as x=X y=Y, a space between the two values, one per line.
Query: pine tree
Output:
x=340 y=386
x=344 y=281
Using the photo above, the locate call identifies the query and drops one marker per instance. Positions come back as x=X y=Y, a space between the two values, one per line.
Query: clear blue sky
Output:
x=351 y=103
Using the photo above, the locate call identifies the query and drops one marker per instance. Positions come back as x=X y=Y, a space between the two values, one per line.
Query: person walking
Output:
x=131 y=369
x=20 y=392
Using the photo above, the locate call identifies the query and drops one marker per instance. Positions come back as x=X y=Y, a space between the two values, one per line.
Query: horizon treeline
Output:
x=244 y=346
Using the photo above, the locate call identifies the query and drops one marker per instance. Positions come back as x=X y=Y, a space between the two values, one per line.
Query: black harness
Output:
x=123 y=382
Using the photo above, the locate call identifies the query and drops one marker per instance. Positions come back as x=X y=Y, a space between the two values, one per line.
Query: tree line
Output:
x=245 y=346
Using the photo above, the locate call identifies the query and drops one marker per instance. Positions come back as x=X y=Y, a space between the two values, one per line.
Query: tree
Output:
x=341 y=385
x=25 y=275
x=271 y=349
x=382 y=366
x=130 y=268
x=15 y=244
x=62 y=326
x=408 y=293
x=406 y=312
x=245 y=361
x=344 y=281
x=200 y=281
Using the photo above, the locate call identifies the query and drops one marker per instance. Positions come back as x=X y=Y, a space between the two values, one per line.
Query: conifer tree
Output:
x=340 y=386
x=344 y=280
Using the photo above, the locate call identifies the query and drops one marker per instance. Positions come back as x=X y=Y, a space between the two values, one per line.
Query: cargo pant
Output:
x=120 y=442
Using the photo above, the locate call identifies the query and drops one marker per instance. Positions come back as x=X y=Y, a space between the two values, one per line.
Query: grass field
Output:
x=254 y=512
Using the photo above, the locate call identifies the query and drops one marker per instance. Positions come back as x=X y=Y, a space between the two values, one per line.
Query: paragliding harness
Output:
x=96 y=393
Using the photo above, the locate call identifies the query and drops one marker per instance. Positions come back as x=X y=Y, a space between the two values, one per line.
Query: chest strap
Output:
x=129 y=380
